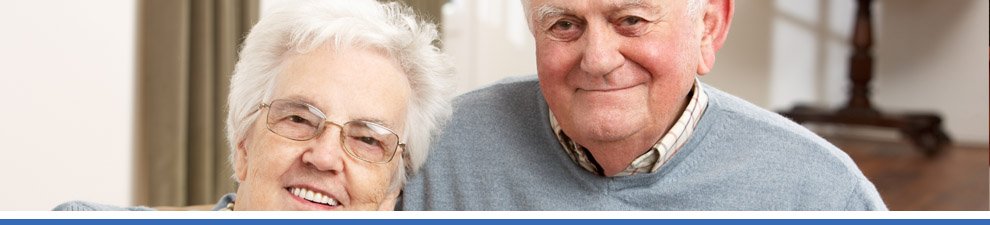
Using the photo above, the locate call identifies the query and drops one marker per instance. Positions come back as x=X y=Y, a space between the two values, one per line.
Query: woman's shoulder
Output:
x=90 y=206
x=224 y=203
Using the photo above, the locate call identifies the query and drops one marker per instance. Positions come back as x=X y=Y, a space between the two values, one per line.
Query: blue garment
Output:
x=498 y=153
x=89 y=206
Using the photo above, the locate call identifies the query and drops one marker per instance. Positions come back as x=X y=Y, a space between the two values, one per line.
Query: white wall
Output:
x=933 y=55
x=930 y=56
x=68 y=79
x=488 y=41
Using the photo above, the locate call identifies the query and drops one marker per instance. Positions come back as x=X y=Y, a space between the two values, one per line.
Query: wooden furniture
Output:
x=923 y=129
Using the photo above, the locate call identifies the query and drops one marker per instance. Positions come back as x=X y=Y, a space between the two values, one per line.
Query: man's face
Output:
x=614 y=70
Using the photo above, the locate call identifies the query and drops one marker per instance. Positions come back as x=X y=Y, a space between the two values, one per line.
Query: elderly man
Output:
x=616 y=119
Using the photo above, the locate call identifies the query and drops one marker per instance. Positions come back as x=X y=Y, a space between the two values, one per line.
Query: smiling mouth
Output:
x=313 y=197
x=607 y=89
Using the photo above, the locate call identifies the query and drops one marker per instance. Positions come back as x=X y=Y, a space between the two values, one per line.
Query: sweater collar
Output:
x=662 y=151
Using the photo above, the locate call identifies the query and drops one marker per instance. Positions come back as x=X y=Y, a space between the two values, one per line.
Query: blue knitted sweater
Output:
x=498 y=153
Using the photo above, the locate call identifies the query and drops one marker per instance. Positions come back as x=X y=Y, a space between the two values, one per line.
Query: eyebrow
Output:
x=388 y=125
x=632 y=4
x=306 y=100
x=545 y=11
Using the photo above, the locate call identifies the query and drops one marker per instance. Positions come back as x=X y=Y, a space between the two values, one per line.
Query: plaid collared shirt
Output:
x=662 y=151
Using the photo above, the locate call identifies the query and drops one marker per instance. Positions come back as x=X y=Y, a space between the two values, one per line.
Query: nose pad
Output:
x=325 y=152
x=601 y=54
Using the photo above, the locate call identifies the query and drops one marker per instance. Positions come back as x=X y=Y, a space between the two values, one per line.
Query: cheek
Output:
x=664 y=60
x=369 y=186
x=670 y=62
x=555 y=59
x=268 y=159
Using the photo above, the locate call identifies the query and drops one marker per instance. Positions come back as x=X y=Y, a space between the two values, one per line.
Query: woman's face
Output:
x=349 y=85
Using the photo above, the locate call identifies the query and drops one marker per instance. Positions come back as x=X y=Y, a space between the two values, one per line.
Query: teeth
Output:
x=318 y=198
x=323 y=199
x=313 y=196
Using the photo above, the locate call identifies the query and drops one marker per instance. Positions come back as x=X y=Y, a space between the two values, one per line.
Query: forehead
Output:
x=346 y=84
x=549 y=7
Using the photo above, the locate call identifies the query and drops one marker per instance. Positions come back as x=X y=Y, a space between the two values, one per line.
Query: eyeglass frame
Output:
x=323 y=127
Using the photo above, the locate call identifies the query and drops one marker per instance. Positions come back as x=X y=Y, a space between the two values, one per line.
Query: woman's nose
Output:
x=325 y=152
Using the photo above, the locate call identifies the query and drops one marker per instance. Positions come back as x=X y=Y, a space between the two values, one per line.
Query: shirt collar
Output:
x=656 y=156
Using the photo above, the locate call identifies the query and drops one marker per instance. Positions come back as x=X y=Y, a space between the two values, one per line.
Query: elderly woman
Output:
x=332 y=105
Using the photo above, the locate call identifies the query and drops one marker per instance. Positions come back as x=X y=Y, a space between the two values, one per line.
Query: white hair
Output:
x=303 y=26
x=693 y=9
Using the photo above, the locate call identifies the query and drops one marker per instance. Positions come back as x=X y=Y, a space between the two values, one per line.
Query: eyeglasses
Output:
x=364 y=140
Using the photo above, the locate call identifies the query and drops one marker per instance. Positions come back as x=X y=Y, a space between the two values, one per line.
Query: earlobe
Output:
x=388 y=204
x=240 y=161
x=706 y=58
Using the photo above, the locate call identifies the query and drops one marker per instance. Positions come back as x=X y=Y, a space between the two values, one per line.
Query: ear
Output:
x=241 y=158
x=390 y=201
x=716 y=18
x=392 y=196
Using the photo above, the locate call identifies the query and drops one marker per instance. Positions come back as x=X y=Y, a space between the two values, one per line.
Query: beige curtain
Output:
x=427 y=9
x=430 y=10
x=187 y=51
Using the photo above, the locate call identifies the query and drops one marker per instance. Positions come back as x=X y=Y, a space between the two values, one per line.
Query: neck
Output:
x=616 y=156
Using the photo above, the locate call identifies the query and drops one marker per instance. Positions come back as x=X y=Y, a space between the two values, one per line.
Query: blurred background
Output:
x=122 y=102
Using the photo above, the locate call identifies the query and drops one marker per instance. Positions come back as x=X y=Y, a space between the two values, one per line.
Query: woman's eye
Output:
x=297 y=119
x=368 y=140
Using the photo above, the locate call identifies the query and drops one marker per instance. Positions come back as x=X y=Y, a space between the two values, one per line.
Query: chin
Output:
x=608 y=128
x=607 y=134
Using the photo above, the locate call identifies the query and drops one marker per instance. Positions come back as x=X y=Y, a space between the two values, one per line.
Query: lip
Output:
x=607 y=89
x=308 y=205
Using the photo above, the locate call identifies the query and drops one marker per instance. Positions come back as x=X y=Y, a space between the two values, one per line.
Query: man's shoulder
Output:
x=751 y=130
x=733 y=115
x=500 y=110
x=511 y=100
x=773 y=141
x=510 y=89
x=801 y=169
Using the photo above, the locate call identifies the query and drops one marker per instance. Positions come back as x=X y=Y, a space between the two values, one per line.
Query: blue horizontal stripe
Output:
x=489 y=221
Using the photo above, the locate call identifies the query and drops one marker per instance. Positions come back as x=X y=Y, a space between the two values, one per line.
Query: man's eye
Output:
x=632 y=21
x=565 y=30
x=632 y=26
x=563 y=25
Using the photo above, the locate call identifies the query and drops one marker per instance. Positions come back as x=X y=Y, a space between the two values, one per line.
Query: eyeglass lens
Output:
x=299 y=121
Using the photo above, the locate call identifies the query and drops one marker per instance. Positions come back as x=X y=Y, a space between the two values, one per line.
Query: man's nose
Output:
x=601 y=54
x=325 y=152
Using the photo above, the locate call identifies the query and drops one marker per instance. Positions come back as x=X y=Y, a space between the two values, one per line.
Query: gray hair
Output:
x=303 y=26
x=694 y=8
